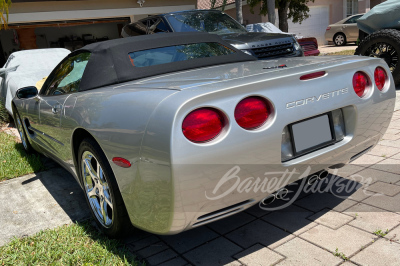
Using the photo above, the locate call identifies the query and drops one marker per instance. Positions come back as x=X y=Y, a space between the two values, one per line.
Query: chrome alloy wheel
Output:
x=339 y=39
x=97 y=189
x=21 y=131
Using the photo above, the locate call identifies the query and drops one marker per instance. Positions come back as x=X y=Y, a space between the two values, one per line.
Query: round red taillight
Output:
x=380 y=78
x=252 y=112
x=360 y=83
x=203 y=124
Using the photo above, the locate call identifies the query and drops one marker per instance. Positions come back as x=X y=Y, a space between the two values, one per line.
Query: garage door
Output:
x=314 y=26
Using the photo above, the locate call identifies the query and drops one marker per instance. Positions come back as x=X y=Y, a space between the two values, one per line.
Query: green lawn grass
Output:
x=14 y=161
x=76 y=244
x=4 y=117
x=345 y=52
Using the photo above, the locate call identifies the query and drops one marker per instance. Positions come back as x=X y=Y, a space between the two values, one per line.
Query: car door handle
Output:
x=56 y=108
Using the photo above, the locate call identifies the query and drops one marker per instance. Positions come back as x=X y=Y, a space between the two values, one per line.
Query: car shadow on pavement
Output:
x=253 y=231
x=65 y=190
x=60 y=184
x=53 y=198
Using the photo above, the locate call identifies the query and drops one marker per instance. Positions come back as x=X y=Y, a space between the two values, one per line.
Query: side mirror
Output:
x=27 y=92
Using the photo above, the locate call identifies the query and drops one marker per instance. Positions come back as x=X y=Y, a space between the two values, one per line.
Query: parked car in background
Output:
x=344 y=31
x=260 y=45
x=308 y=44
x=26 y=68
x=157 y=129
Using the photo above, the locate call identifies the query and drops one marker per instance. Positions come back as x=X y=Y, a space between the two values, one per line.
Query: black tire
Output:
x=339 y=39
x=120 y=223
x=21 y=130
x=390 y=38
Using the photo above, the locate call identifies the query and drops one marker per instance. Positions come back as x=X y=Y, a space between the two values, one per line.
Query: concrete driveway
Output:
x=327 y=228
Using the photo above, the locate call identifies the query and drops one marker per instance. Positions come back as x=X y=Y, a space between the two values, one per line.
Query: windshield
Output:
x=211 y=22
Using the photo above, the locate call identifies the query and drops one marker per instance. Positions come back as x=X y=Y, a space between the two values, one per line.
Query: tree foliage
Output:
x=214 y=2
x=296 y=10
x=4 y=6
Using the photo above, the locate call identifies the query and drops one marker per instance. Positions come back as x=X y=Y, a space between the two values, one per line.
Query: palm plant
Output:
x=4 y=6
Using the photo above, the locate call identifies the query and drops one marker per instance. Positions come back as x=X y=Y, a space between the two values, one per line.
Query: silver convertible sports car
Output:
x=168 y=132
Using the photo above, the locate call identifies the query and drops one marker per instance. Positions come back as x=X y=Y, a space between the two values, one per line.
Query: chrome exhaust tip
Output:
x=281 y=194
x=268 y=200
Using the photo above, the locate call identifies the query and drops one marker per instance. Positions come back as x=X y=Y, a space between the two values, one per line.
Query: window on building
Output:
x=352 y=7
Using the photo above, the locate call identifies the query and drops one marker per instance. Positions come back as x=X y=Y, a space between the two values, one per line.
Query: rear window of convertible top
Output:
x=169 y=54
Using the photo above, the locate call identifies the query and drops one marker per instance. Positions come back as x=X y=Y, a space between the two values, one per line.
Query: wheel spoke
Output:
x=104 y=184
x=91 y=192
x=107 y=200
x=90 y=169
x=99 y=171
x=103 y=206
x=375 y=52
x=101 y=176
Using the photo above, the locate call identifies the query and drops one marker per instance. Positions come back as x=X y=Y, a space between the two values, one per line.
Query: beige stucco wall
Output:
x=29 y=7
x=206 y=4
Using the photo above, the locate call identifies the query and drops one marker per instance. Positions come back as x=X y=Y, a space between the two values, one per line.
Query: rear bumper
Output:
x=223 y=190
x=188 y=184
x=329 y=35
x=206 y=192
x=312 y=53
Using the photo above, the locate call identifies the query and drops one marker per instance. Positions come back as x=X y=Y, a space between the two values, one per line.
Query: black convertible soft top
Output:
x=109 y=61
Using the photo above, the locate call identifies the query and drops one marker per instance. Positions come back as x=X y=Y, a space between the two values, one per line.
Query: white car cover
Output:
x=25 y=68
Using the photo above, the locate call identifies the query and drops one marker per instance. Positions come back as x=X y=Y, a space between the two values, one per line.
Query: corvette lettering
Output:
x=313 y=99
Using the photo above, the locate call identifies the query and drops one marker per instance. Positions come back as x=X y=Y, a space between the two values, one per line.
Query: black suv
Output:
x=261 y=45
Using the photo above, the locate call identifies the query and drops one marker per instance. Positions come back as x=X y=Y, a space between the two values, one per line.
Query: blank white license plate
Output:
x=311 y=133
